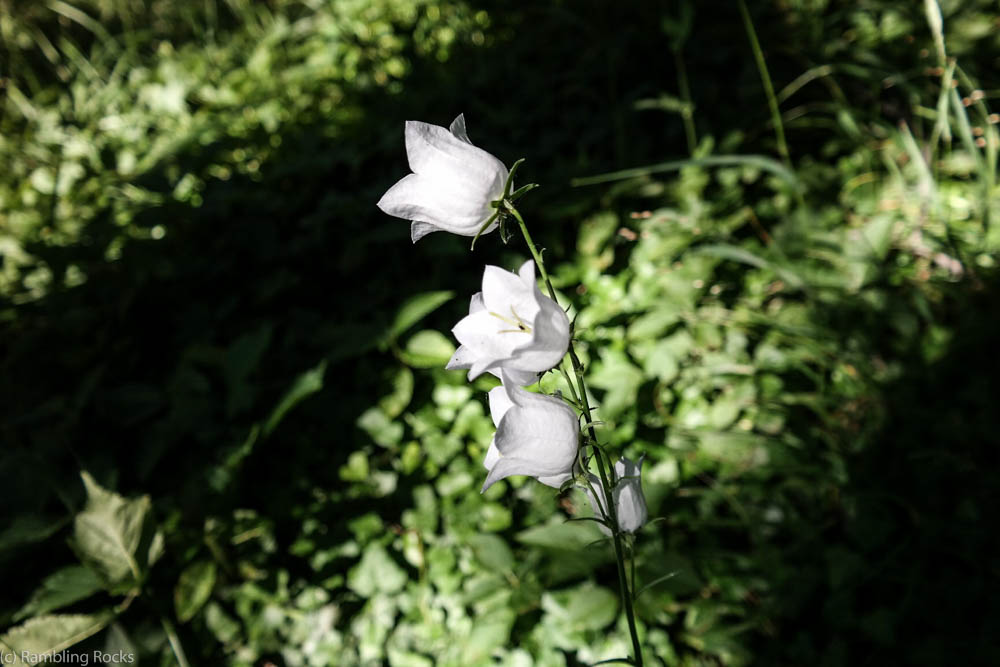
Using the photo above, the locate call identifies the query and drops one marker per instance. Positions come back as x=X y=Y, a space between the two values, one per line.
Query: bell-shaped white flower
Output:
x=630 y=504
x=536 y=435
x=452 y=184
x=512 y=326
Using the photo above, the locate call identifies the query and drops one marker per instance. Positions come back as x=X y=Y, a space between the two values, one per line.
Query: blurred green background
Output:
x=203 y=309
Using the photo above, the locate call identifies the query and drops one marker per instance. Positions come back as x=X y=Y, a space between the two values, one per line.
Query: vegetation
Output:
x=228 y=435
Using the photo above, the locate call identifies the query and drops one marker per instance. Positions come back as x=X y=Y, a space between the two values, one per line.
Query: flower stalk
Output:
x=580 y=395
x=515 y=332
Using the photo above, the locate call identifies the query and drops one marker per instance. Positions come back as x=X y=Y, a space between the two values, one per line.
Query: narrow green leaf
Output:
x=738 y=254
x=759 y=161
x=306 y=384
x=413 y=310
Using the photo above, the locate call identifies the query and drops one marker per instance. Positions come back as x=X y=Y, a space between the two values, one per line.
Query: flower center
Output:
x=515 y=321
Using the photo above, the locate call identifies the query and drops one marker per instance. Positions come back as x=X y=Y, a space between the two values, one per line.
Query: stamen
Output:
x=522 y=327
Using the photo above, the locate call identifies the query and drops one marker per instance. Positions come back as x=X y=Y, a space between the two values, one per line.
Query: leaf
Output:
x=376 y=573
x=569 y=614
x=306 y=384
x=493 y=552
x=737 y=254
x=402 y=393
x=415 y=309
x=759 y=161
x=620 y=378
x=562 y=536
x=50 y=634
x=487 y=635
x=427 y=349
x=107 y=534
x=59 y=589
x=28 y=529
x=193 y=589
x=380 y=428
x=224 y=627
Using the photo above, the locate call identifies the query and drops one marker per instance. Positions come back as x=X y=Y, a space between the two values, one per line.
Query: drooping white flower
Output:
x=452 y=184
x=630 y=504
x=512 y=326
x=536 y=435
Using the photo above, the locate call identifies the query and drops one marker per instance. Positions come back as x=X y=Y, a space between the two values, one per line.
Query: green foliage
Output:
x=48 y=634
x=107 y=535
x=202 y=307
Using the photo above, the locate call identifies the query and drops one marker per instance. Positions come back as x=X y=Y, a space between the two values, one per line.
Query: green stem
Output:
x=175 y=641
x=569 y=383
x=599 y=454
x=687 y=114
x=765 y=77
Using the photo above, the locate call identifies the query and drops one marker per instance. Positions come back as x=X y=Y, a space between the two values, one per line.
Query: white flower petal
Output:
x=543 y=430
x=478 y=332
x=514 y=376
x=527 y=274
x=551 y=337
x=505 y=294
x=595 y=494
x=457 y=128
x=436 y=153
x=507 y=466
x=555 y=481
x=452 y=185
x=630 y=503
x=418 y=198
x=500 y=403
x=419 y=230
x=476 y=303
x=492 y=456
x=463 y=358
x=512 y=326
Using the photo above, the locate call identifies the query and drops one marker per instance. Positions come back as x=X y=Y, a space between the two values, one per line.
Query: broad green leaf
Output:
x=381 y=428
x=193 y=589
x=616 y=374
x=563 y=536
x=50 y=634
x=107 y=534
x=493 y=552
x=587 y=607
x=415 y=309
x=487 y=634
x=376 y=573
x=427 y=349
x=356 y=469
x=661 y=361
x=654 y=323
x=571 y=615
x=59 y=589
x=306 y=384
